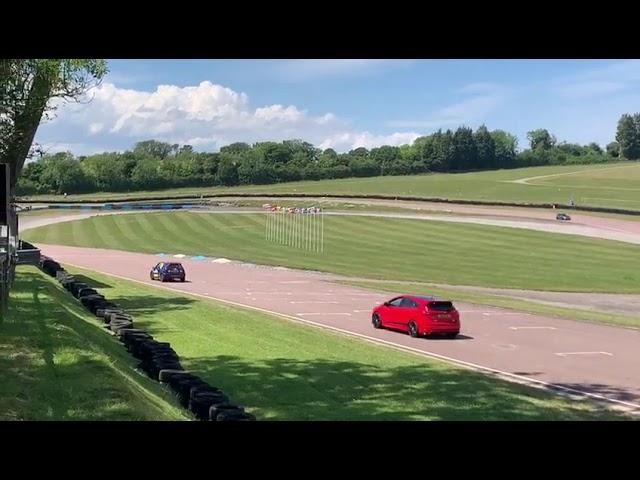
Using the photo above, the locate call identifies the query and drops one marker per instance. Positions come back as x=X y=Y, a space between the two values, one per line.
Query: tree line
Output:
x=152 y=164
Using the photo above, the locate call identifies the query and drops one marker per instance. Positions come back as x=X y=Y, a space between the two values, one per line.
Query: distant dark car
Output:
x=164 y=271
x=563 y=216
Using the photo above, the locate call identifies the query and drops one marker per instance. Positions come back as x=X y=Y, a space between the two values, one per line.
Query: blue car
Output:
x=165 y=271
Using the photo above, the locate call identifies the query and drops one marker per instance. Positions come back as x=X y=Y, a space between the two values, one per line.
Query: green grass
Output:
x=281 y=370
x=529 y=306
x=597 y=185
x=376 y=248
x=57 y=363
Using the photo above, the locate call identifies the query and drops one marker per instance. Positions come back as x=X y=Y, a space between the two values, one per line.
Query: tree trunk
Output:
x=26 y=123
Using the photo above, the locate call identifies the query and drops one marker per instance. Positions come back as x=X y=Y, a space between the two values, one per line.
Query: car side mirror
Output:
x=386 y=304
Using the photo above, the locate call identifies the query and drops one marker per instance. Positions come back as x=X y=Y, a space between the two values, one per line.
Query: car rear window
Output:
x=440 y=306
x=175 y=267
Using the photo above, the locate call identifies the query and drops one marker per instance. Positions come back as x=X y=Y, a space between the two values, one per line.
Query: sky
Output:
x=341 y=104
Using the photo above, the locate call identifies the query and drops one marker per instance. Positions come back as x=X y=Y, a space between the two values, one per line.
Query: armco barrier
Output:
x=156 y=357
x=125 y=204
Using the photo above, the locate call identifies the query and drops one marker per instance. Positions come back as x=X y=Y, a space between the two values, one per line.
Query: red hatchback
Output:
x=418 y=315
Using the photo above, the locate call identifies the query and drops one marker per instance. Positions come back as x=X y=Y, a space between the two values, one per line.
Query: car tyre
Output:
x=376 y=321
x=413 y=329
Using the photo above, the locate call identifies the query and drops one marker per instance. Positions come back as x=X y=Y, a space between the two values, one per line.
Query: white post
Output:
x=308 y=230
x=322 y=231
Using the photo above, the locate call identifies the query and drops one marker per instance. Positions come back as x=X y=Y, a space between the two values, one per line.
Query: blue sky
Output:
x=343 y=103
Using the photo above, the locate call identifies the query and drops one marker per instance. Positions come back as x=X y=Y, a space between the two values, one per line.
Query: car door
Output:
x=157 y=268
x=406 y=312
x=391 y=315
x=394 y=313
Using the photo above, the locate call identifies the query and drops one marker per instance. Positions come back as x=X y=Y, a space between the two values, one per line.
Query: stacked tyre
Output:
x=157 y=359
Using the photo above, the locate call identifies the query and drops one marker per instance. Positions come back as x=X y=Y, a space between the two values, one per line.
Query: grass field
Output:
x=611 y=185
x=376 y=248
x=280 y=370
x=57 y=363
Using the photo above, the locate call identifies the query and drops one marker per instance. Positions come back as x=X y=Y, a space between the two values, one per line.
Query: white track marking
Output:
x=312 y=301
x=525 y=181
x=360 y=311
x=486 y=314
x=532 y=328
x=583 y=353
x=423 y=353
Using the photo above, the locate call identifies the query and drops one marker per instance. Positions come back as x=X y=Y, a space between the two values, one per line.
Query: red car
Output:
x=418 y=315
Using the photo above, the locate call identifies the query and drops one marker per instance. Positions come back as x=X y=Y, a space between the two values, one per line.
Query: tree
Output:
x=62 y=174
x=628 y=136
x=227 y=173
x=506 y=147
x=359 y=152
x=237 y=147
x=273 y=153
x=27 y=88
x=485 y=147
x=385 y=157
x=613 y=149
x=595 y=147
x=155 y=149
x=541 y=139
x=465 y=154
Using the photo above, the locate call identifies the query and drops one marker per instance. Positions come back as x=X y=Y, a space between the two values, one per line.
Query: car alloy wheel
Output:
x=413 y=329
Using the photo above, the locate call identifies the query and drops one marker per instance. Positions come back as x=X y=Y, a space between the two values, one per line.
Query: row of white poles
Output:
x=296 y=227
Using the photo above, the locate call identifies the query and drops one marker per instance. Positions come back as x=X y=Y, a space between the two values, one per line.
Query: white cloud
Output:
x=349 y=141
x=206 y=116
x=96 y=127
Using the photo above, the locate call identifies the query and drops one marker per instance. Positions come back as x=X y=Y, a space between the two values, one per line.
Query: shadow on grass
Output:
x=288 y=389
x=605 y=390
x=91 y=282
x=138 y=305
x=55 y=365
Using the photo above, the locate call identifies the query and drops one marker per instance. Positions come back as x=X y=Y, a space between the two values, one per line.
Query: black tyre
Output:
x=120 y=324
x=133 y=335
x=182 y=387
x=87 y=291
x=175 y=380
x=200 y=404
x=76 y=286
x=216 y=410
x=413 y=329
x=165 y=375
x=375 y=320
x=207 y=390
x=235 y=416
x=122 y=331
x=106 y=310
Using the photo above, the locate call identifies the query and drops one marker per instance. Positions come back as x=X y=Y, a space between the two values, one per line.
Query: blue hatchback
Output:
x=165 y=271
